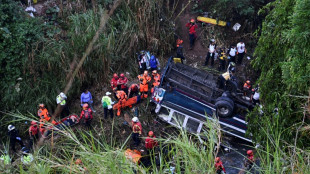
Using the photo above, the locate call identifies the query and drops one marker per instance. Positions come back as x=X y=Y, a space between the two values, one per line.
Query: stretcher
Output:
x=212 y=21
x=126 y=103
x=133 y=155
x=64 y=123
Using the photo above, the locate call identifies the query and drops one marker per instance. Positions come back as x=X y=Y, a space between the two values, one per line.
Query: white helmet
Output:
x=63 y=95
x=108 y=93
x=135 y=119
x=11 y=127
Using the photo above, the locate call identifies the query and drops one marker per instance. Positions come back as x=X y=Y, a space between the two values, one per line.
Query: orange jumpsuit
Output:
x=156 y=82
x=144 y=87
x=44 y=112
x=122 y=98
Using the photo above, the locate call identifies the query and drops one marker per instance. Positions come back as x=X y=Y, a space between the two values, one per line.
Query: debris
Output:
x=236 y=27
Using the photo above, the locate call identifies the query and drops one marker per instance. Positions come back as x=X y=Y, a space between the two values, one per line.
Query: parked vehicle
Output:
x=187 y=97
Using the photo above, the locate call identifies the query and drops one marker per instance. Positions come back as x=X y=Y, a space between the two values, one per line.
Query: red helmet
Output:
x=217 y=159
x=115 y=76
x=249 y=152
x=85 y=106
x=33 y=123
x=122 y=75
x=192 y=20
x=151 y=133
x=78 y=161
x=134 y=87
x=248 y=81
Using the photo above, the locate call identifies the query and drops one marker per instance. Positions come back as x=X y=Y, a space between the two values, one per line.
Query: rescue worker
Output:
x=14 y=136
x=150 y=141
x=156 y=80
x=122 y=98
x=122 y=83
x=180 y=49
x=249 y=161
x=61 y=99
x=144 y=87
x=232 y=51
x=241 y=50
x=222 y=60
x=247 y=87
x=136 y=130
x=255 y=95
x=114 y=84
x=42 y=126
x=86 y=97
x=154 y=63
x=142 y=59
x=133 y=90
x=87 y=115
x=211 y=53
x=225 y=77
x=107 y=105
x=43 y=112
x=219 y=166
x=192 y=26
x=33 y=133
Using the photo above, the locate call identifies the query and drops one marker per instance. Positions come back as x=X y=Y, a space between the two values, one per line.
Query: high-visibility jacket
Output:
x=44 y=112
x=156 y=78
x=150 y=142
x=137 y=128
x=219 y=166
x=191 y=27
x=60 y=100
x=144 y=80
x=107 y=100
x=226 y=75
x=33 y=130
x=223 y=56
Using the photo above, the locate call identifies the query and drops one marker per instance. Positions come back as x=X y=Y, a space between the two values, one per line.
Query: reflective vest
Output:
x=107 y=100
x=44 y=112
x=156 y=80
x=137 y=128
x=144 y=79
x=60 y=100
x=226 y=76
x=223 y=56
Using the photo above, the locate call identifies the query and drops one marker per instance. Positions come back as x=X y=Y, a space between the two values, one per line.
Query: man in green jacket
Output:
x=107 y=105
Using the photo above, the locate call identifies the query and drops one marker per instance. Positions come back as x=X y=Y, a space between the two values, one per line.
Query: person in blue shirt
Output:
x=86 y=97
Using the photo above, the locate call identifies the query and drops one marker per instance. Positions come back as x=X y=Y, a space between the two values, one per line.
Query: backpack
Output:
x=153 y=62
x=104 y=104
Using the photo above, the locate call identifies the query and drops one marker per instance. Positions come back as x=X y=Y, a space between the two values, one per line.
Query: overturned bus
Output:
x=187 y=97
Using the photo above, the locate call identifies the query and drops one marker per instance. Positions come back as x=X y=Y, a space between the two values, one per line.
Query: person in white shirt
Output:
x=211 y=53
x=232 y=51
x=241 y=50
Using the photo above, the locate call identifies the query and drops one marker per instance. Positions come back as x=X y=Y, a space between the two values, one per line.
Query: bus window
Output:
x=177 y=119
x=164 y=113
x=192 y=125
